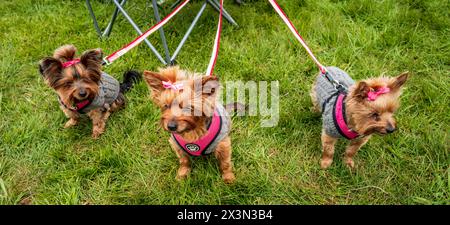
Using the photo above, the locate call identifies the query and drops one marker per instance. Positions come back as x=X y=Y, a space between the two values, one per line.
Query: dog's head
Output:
x=75 y=80
x=372 y=103
x=185 y=101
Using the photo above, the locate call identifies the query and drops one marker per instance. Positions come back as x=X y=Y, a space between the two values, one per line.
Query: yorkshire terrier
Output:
x=367 y=108
x=198 y=124
x=83 y=88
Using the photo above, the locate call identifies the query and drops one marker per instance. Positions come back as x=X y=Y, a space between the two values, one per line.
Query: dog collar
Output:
x=339 y=118
x=198 y=147
x=70 y=63
x=78 y=107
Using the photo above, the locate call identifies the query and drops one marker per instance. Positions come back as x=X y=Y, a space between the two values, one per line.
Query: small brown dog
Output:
x=83 y=88
x=368 y=108
x=199 y=125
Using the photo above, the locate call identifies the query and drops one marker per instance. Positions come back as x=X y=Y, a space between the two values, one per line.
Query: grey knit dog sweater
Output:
x=327 y=95
x=108 y=91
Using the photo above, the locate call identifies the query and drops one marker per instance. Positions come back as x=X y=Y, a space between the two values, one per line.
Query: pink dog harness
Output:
x=77 y=107
x=339 y=118
x=200 y=146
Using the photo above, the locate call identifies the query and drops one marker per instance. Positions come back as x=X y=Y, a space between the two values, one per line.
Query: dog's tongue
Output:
x=82 y=104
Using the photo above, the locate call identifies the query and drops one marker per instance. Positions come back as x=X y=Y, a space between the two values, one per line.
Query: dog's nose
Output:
x=172 y=126
x=390 y=128
x=82 y=93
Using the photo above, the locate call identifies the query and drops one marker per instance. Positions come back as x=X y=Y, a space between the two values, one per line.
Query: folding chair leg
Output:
x=94 y=19
x=108 y=29
x=161 y=31
x=188 y=32
x=175 y=4
x=216 y=6
x=125 y=14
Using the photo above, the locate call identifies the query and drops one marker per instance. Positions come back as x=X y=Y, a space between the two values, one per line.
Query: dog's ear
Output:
x=92 y=58
x=65 y=53
x=397 y=82
x=209 y=86
x=361 y=90
x=154 y=81
x=49 y=67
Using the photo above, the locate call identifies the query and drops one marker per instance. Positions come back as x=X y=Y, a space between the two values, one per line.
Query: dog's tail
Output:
x=130 y=78
x=235 y=107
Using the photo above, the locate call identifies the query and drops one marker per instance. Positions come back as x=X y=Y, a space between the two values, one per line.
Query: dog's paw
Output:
x=349 y=162
x=228 y=178
x=325 y=163
x=96 y=135
x=183 y=173
x=70 y=123
x=98 y=130
x=314 y=109
x=106 y=107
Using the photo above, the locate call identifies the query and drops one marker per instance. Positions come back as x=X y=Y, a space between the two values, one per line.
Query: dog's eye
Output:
x=165 y=106
x=375 y=116
x=68 y=84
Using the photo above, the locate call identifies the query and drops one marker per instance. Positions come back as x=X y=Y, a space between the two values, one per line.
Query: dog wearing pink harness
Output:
x=198 y=124
x=362 y=109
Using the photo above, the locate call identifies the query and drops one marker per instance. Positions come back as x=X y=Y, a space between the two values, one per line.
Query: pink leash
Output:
x=213 y=59
x=296 y=34
x=209 y=71
x=111 y=58
x=215 y=51
x=337 y=85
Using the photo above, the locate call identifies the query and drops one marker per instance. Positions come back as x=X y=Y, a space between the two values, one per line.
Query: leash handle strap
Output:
x=111 y=58
x=286 y=20
x=215 y=51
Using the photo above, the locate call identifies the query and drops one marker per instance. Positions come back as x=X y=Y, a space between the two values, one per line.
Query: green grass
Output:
x=132 y=162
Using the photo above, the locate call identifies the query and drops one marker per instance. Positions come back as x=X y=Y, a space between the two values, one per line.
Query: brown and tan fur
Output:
x=68 y=86
x=187 y=111
x=363 y=116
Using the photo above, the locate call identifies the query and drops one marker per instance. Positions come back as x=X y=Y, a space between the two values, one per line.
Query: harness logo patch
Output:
x=192 y=147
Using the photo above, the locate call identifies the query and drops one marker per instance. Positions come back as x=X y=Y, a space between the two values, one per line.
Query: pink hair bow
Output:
x=70 y=63
x=170 y=85
x=373 y=95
